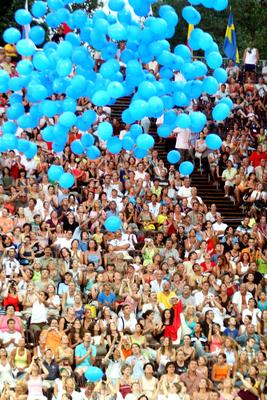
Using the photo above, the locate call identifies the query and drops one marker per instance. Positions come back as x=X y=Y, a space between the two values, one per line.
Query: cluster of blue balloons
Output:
x=49 y=69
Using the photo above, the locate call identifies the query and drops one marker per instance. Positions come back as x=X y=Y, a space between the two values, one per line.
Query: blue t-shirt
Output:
x=233 y=334
x=80 y=351
x=106 y=300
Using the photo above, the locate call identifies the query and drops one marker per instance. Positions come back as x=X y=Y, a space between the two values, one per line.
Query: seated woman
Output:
x=20 y=359
x=64 y=351
x=220 y=370
x=52 y=336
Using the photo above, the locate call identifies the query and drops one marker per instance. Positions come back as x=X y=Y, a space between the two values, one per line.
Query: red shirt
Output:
x=256 y=158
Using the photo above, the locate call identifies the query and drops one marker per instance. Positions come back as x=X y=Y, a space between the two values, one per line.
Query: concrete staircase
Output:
x=206 y=190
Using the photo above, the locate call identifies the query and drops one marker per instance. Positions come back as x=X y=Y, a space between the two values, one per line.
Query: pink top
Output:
x=215 y=344
x=35 y=386
x=3 y=323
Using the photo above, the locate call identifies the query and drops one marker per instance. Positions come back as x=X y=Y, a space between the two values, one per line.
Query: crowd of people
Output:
x=171 y=307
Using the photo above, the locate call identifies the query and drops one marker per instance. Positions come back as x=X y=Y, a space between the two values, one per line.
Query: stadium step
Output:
x=210 y=194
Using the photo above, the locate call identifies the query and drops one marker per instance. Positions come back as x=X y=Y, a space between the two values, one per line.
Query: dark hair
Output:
x=171 y=318
x=170 y=363
x=148 y=363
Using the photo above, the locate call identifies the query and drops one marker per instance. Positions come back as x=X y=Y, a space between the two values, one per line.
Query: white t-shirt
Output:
x=184 y=192
x=39 y=313
x=237 y=299
x=183 y=137
x=7 y=336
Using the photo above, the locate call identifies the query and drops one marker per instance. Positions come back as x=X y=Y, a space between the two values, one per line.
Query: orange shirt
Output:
x=53 y=339
x=6 y=224
x=221 y=371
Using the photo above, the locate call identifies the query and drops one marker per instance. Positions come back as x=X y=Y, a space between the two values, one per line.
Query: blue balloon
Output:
x=64 y=67
x=164 y=131
x=200 y=68
x=100 y=98
x=48 y=133
x=9 y=141
x=77 y=147
x=11 y=35
x=220 y=75
x=16 y=83
x=23 y=17
x=24 y=67
x=191 y=15
x=228 y=101
x=116 y=5
x=186 y=168
x=136 y=130
x=115 y=90
x=146 y=90
x=158 y=27
x=183 y=51
x=66 y=180
x=87 y=140
x=140 y=153
x=36 y=92
x=69 y=105
x=180 y=99
x=173 y=156
x=67 y=119
x=40 y=61
x=9 y=127
x=171 y=18
x=37 y=34
x=79 y=18
x=124 y=17
x=89 y=116
x=214 y=60
x=112 y=224
x=205 y=41
x=23 y=145
x=64 y=49
x=105 y=130
x=198 y=121
x=155 y=106
x=220 y=112
x=213 y=141
x=117 y=32
x=210 y=85
x=145 y=141
x=25 y=47
x=31 y=151
x=183 y=121
x=54 y=172
x=220 y=5
x=15 y=111
x=127 y=143
x=114 y=145
x=139 y=109
x=93 y=152
x=38 y=9
x=170 y=118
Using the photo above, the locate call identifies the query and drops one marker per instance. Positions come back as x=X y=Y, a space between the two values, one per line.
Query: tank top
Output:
x=21 y=361
x=125 y=389
x=35 y=387
x=251 y=56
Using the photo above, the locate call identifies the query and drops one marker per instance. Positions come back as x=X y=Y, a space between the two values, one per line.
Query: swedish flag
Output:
x=230 y=47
